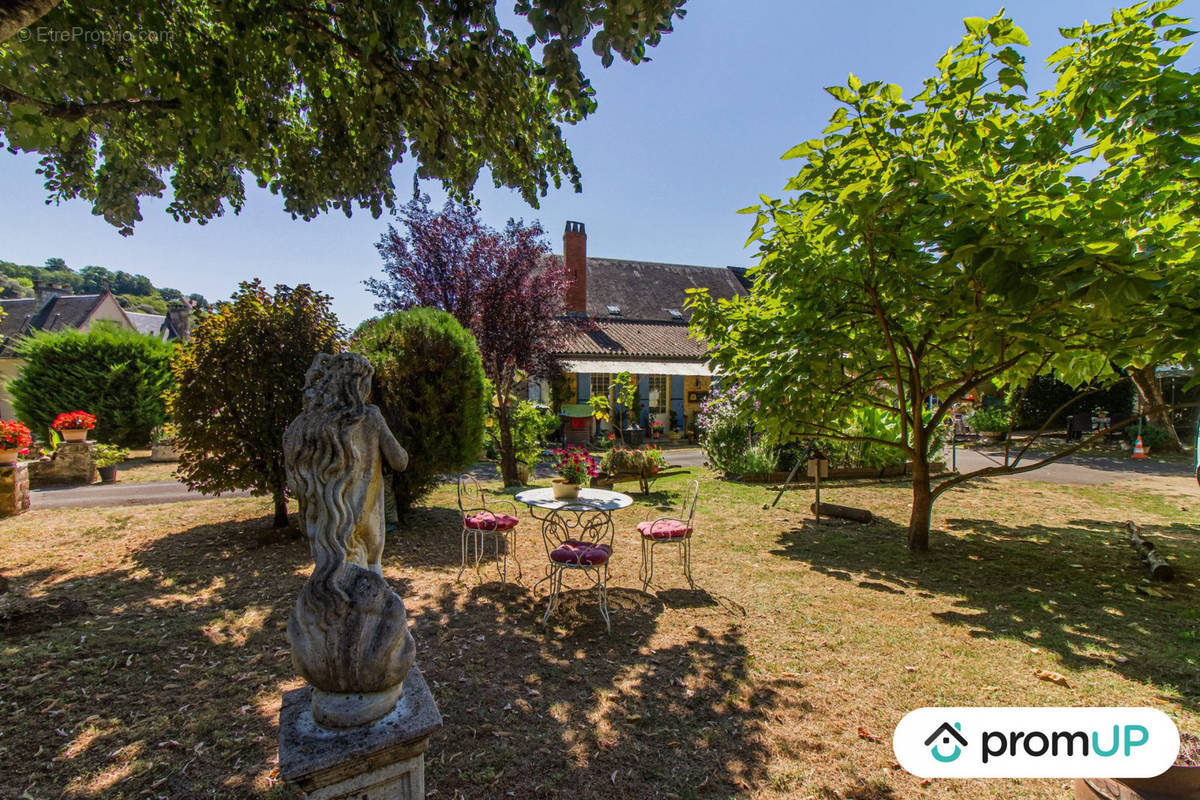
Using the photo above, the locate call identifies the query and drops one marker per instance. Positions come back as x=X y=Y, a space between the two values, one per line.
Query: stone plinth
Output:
x=381 y=761
x=14 y=489
x=71 y=465
x=164 y=450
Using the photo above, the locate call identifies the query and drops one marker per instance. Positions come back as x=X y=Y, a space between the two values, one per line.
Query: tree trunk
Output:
x=20 y=14
x=508 y=458
x=922 y=507
x=281 y=514
x=1147 y=385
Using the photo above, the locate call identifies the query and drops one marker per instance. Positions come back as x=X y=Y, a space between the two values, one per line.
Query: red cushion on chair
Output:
x=487 y=521
x=584 y=553
x=665 y=529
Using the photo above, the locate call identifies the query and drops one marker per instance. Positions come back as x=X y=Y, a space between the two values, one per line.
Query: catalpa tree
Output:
x=316 y=99
x=936 y=245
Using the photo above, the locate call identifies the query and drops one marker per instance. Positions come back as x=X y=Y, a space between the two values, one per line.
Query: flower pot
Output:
x=564 y=490
x=1177 y=783
x=9 y=457
x=74 y=435
x=108 y=474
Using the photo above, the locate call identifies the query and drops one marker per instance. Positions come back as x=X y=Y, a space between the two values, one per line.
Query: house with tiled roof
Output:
x=52 y=308
x=640 y=326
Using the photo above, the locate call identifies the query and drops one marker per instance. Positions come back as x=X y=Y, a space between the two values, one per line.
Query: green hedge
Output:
x=120 y=376
x=430 y=386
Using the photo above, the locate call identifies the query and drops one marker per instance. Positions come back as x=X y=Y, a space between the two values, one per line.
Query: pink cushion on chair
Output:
x=664 y=529
x=584 y=553
x=487 y=521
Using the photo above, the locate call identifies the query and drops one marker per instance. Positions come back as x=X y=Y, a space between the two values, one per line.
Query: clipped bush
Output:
x=1152 y=435
x=995 y=418
x=120 y=376
x=429 y=384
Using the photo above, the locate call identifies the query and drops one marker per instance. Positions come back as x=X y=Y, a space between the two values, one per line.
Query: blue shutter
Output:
x=583 y=383
x=677 y=399
x=643 y=398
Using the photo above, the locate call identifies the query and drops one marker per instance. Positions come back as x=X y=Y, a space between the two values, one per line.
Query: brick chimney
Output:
x=575 y=258
x=45 y=291
x=179 y=314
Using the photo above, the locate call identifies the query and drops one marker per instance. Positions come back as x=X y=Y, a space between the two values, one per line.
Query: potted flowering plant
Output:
x=74 y=425
x=574 y=466
x=14 y=440
x=656 y=428
x=108 y=456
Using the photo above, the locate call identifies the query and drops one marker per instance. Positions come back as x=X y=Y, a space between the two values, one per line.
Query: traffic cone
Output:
x=1138 y=450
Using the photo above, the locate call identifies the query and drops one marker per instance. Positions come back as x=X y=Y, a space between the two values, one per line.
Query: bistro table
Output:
x=583 y=522
x=601 y=500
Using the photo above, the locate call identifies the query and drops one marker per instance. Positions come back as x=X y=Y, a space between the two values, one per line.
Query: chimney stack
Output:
x=179 y=314
x=45 y=291
x=575 y=259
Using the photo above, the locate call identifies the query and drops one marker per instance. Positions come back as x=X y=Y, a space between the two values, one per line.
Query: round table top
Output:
x=599 y=499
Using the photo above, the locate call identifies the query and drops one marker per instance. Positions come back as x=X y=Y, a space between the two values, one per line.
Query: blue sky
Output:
x=675 y=148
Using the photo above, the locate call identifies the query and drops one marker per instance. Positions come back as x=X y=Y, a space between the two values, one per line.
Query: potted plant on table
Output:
x=108 y=456
x=74 y=425
x=14 y=440
x=574 y=466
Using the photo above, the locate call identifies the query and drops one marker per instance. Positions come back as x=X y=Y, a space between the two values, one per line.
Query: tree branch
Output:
x=73 y=112
x=18 y=14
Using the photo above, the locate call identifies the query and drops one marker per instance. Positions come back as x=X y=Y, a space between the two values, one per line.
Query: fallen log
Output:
x=1160 y=568
x=844 y=512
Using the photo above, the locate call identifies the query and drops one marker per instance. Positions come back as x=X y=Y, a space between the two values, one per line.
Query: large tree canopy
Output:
x=316 y=99
x=954 y=240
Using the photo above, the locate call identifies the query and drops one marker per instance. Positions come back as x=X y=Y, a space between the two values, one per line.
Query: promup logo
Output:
x=946 y=733
x=1035 y=742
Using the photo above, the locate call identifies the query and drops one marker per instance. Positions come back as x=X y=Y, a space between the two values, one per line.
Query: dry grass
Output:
x=168 y=682
x=138 y=468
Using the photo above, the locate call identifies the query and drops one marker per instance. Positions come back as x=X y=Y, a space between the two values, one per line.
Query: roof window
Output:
x=675 y=313
x=614 y=311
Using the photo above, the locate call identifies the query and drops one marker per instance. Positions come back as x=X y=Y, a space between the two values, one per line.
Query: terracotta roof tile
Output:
x=631 y=338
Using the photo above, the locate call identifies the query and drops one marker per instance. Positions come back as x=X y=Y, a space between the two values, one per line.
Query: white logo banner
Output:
x=1036 y=742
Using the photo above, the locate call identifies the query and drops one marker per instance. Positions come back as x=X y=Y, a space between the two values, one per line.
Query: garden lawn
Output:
x=142 y=651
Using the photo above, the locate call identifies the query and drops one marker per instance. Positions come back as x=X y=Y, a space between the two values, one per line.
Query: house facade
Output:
x=53 y=309
x=640 y=327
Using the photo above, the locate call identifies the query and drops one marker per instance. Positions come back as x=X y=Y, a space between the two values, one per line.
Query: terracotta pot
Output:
x=108 y=474
x=1177 y=783
x=8 y=457
x=564 y=490
x=74 y=435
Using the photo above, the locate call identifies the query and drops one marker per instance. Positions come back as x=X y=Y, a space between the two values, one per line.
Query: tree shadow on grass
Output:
x=533 y=711
x=1077 y=589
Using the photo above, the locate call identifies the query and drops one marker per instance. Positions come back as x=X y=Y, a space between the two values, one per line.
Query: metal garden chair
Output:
x=579 y=539
x=670 y=530
x=479 y=522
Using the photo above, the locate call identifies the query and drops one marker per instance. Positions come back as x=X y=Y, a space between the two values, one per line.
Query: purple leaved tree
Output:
x=504 y=286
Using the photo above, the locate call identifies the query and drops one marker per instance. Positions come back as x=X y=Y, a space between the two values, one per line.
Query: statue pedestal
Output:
x=381 y=761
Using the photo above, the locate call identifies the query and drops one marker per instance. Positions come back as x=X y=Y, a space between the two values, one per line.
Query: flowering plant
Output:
x=74 y=421
x=657 y=425
x=575 y=465
x=14 y=436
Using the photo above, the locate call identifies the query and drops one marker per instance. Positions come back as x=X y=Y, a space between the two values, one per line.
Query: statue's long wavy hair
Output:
x=318 y=451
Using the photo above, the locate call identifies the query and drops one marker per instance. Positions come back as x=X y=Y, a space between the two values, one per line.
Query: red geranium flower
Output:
x=74 y=421
x=14 y=436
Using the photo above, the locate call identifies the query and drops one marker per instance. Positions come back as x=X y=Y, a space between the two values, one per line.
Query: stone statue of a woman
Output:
x=348 y=631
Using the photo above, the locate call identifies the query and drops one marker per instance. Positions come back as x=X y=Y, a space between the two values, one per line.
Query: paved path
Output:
x=1076 y=469
x=98 y=495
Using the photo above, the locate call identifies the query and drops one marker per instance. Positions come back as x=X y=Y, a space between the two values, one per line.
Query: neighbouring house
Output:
x=640 y=327
x=52 y=308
